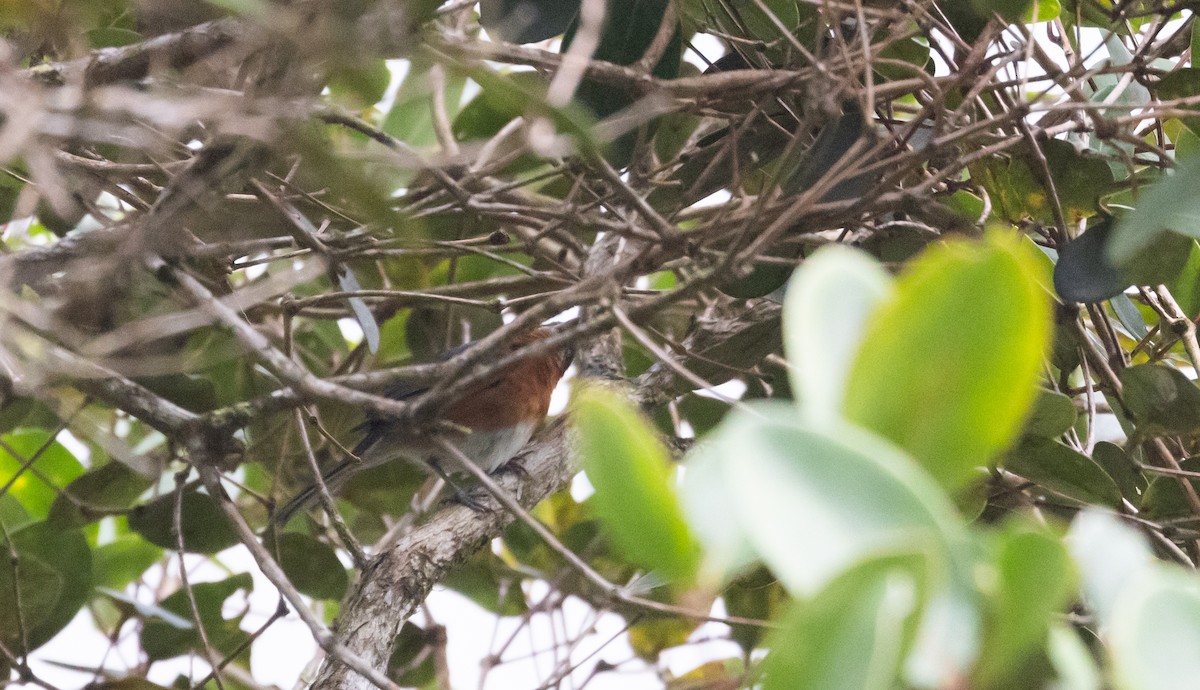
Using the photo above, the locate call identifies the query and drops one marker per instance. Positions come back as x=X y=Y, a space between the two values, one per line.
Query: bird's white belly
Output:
x=491 y=449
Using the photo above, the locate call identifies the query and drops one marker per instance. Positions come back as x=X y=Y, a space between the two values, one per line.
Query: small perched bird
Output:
x=501 y=413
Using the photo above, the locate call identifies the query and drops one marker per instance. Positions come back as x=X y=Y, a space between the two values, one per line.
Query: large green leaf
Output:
x=811 y=500
x=634 y=493
x=854 y=633
x=53 y=574
x=110 y=487
x=829 y=303
x=1154 y=626
x=36 y=487
x=204 y=527
x=948 y=367
x=312 y=566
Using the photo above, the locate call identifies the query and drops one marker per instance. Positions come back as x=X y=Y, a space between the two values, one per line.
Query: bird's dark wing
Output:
x=375 y=426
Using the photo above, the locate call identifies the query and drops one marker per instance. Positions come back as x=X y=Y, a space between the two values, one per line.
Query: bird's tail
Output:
x=334 y=479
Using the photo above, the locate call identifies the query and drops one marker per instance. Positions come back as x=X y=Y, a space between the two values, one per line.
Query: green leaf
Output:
x=312 y=566
x=1053 y=414
x=948 y=367
x=1161 y=399
x=811 y=500
x=37 y=486
x=204 y=527
x=410 y=118
x=110 y=487
x=854 y=633
x=634 y=497
x=1124 y=472
x=1054 y=466
x=829 y=302
x=162 y=640
x=124 y=560
x=1034 y=583
x=1169 y=206
x=54 y=575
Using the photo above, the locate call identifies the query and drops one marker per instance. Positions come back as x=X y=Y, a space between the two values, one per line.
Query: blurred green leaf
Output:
x=854 y=633
x=811 y=500
x=1155 y=621
x=948 y=367
x=1034 y=583
x=52 y=571
x=526 y=21
x=634 y=496
x=410 y=118
x=204 y=527
x=124 y=560
x=162 y=640
x=830 y=301
x=1161 y=399
x=110 y=487
x=36 y=487
x=1167 y=206
x=312 y=566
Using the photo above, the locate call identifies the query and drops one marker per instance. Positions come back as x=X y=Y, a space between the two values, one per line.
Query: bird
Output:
x=501 y=414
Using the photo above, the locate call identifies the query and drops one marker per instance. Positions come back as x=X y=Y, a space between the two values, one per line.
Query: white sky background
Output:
x=284 y=651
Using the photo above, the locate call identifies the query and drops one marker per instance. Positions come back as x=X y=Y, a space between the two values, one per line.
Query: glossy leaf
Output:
x=634 y=495
x=947 y=369
x=829 y=303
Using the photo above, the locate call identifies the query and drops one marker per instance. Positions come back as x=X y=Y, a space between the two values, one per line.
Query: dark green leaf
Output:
x=1054 y=466
x=205 y=529
x=107 y=488
x=54 y=574
x=1124 y=472
x=1161 y=399
x=312 y=566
